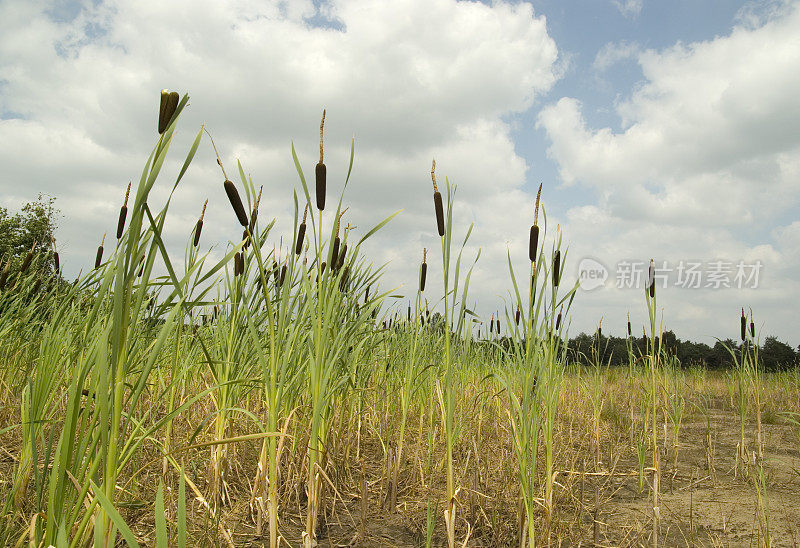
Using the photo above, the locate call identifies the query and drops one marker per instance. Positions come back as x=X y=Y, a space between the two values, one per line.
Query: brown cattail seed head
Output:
x=343 y=281
x=516 y=316
x=283 y=274
x=323 y=266
x=744 y=326
x=236 y=202
x=437 y=202
x=321 y=170
x=301 y=234
x=98 y=260
x=123 y=213
x=169 y=102
x=629 y=324
x=199 y=226
x=237 y=264
x=651 y=280
x=533 y=242
x=56 y=262
x=26 y=262
x=558 y=319
x=342 y=255
x=423 y=271
x=334 y=253
x=752 y=326
x=409 y=312
x=557 y=268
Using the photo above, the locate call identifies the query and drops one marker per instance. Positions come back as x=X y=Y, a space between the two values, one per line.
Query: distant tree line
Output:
x=773 y=354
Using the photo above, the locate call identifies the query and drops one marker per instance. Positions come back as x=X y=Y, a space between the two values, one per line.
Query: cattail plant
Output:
x=123 y=214
x=743 y=326
x=26 y=262
x=654 y=356
x=557 y=268
x=301 y=233
x=533 y=240
x=169 y=103
x=236 y=202
x=198 y=228
x=423 y=270
x=56 y=261
x=320 y=170
x=534 y=380
x=437 y=202
x=447 y=391
x=98 y=260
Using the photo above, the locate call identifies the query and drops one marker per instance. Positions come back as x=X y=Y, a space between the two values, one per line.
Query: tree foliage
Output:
x=32 y=227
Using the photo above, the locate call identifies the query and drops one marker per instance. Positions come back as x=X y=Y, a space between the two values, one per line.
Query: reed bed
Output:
x=282 y=396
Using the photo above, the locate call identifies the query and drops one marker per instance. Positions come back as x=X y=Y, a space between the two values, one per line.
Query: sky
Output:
x=663 y=130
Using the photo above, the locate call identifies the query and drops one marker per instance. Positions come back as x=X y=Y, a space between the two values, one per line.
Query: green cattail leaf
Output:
x=161 y=520
x=182 y=510
x=120 y=524
x=379 y=226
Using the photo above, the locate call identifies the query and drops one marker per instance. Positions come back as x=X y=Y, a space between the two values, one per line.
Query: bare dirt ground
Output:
x=705 y=501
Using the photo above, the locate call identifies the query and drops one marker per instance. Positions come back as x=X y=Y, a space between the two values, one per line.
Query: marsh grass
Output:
x=281 y=395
